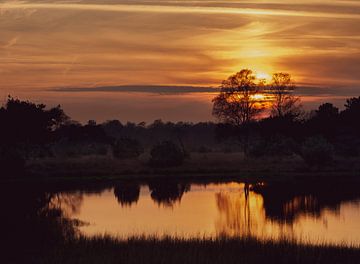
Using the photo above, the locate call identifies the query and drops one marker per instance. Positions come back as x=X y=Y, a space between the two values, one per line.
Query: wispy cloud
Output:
x=11 y=42
x=156 y=89
x=180 y=90
x=200 y=7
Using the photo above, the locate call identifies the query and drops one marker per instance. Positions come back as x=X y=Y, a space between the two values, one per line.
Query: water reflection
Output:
x=239 y=213
x=127 y=193
x=317 y=211
x=168 y=193
x=33 y=219
x=287 y=202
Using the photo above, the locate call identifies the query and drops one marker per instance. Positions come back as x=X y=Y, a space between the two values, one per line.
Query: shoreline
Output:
x=199 y=176
x=200 y=167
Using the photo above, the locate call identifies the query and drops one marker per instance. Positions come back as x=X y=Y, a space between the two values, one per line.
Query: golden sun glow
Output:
x=263 y=76
x=258 y=96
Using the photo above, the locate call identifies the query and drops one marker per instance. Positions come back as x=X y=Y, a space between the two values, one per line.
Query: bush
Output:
x=279 y=147
x=348 y=146
x=317 y=151
x=204 y=149
x=126 y=148
x=11 y=162
x=166 y=154
x=68 y=149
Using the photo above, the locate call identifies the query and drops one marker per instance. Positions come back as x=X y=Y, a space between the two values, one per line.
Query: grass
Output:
x=172 y=250
x=207 y=165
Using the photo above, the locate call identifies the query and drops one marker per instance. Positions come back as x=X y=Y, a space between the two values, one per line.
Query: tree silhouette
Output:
x=24 y=122
x=127 y=193
x=168 y=193
x=285 y=103
x=325 y=121
x=125 y=148
x=352 y=112
x=237 y=104
x=166 y=154
x=327 y=110
x=25 y=125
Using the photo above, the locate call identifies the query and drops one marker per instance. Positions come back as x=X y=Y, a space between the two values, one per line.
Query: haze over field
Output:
x=54 y=51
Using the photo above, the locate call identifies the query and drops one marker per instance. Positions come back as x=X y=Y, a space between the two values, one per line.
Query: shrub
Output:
x=317 y=151
x=279 y=147
x=166 y=154
x=348 y=146
x=126 y=148
x=204 y=149
x=11 y=162
x=100 y=149
x=68 y=149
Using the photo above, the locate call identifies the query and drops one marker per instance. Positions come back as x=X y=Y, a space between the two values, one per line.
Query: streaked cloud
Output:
x=199 y=8
x=156 y=89
x=182 y=90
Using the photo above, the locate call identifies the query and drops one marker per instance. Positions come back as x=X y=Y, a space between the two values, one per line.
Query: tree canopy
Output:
x=237 y=102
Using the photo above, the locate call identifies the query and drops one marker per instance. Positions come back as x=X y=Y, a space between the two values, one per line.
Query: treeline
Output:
x=316 y=136
x=32 y=131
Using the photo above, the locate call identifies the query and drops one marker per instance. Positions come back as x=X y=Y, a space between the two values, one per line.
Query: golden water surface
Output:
x=227 y=209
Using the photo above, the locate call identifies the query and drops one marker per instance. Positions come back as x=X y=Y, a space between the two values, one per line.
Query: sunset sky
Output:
x=57 y=51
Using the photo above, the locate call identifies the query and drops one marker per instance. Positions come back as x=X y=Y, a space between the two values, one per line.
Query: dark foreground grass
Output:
x=169 y=250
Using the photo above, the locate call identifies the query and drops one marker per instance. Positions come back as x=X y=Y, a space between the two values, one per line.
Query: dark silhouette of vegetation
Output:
x=317 y=151
x=32 y=131
x=287 y=131
x=127 y=193
x=149 y=250
x=284 y=102
x=284 y=202
x=278 y=146
x=166 y=154
x=25 y=126
x=168 y=193
x=125 y=148
x=236 y=104
x=31 y=223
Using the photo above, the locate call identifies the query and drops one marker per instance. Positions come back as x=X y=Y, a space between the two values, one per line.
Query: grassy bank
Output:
x=167 y=250
x=207 y=165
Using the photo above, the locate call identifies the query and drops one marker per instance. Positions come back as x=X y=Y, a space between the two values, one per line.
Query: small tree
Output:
x=351 y=112
x=285 y=103
x=327 y=111
x=166 y=154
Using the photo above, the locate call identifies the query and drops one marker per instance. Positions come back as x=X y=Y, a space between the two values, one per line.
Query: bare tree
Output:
x=285 y=103
x=237 y=103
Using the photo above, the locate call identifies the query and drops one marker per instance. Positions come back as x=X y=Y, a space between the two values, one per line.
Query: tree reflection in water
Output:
x=168 y=193
x=127 y=193
x=34 y=219
x=241 y=213
x=285 y=202
x=37 y=217
x=68 y=202
x=263 y=210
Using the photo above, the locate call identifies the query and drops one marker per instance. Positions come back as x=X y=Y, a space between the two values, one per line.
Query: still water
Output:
x=313 y=213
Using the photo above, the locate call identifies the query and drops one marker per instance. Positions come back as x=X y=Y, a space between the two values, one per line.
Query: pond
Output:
x=310 y=212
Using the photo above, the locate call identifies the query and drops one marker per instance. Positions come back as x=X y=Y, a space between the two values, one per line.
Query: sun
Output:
x=263 y=76
x=258 y=96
